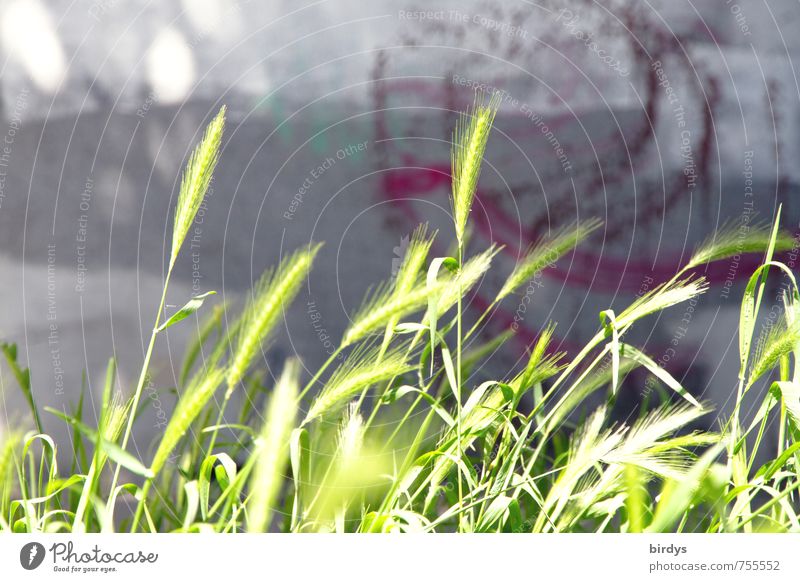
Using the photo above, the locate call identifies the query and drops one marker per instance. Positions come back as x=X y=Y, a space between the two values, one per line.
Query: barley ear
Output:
x=388 y=303
x=359 y=371
x=545 y=253
x=469 y=144
x=272 y=448
x=470 y=273
x=408 y=274
x=736 y=238
x=541 y=365
x=195 y=181
x=186 y=411
x=779 y=340
x=272 y=294
x=660 y=298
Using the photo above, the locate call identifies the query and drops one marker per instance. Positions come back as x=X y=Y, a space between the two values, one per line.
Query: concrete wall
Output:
x=671 y=118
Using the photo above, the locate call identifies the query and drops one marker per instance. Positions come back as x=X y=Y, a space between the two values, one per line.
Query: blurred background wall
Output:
x=663 y=118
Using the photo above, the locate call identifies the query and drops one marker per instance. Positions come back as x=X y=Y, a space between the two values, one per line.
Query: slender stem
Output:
x=480 y=319
x=140 y=507
x=419 y=398
x=142 y=377
x=459 y=316
x=220 y=416
x=77 y=523
x=774 y=501
x=319 y=373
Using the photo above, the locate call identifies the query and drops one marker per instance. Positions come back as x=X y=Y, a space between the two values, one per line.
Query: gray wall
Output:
x=101 y=102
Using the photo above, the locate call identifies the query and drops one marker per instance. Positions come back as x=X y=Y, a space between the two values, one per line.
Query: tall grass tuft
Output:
x=9 y=449
x=454 y=440
x=409 y=275
x=194 y=185
x=413 y=262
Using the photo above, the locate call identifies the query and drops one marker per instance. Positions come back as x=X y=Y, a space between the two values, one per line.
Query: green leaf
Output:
x=496 y=514
x=769 y=469
x=23 y=376
x=114 y=451
x=194 y=349
x=750 y=306
x=789 y=393
x=299 y=447
x=611 y=326
x=635 y=500
x=192 y=501
x=659 y=372
x=225 y=473
x=191 y=306
x=451 y=373
x=431 y=281
x=397 y=392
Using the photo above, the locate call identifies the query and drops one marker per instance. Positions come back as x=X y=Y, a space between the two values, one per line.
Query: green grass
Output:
x=395 y=433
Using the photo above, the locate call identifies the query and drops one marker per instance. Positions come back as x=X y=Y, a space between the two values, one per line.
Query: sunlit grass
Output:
x=394 y=433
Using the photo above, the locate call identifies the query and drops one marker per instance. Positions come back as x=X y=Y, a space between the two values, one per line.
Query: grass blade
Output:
x=273 y=447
